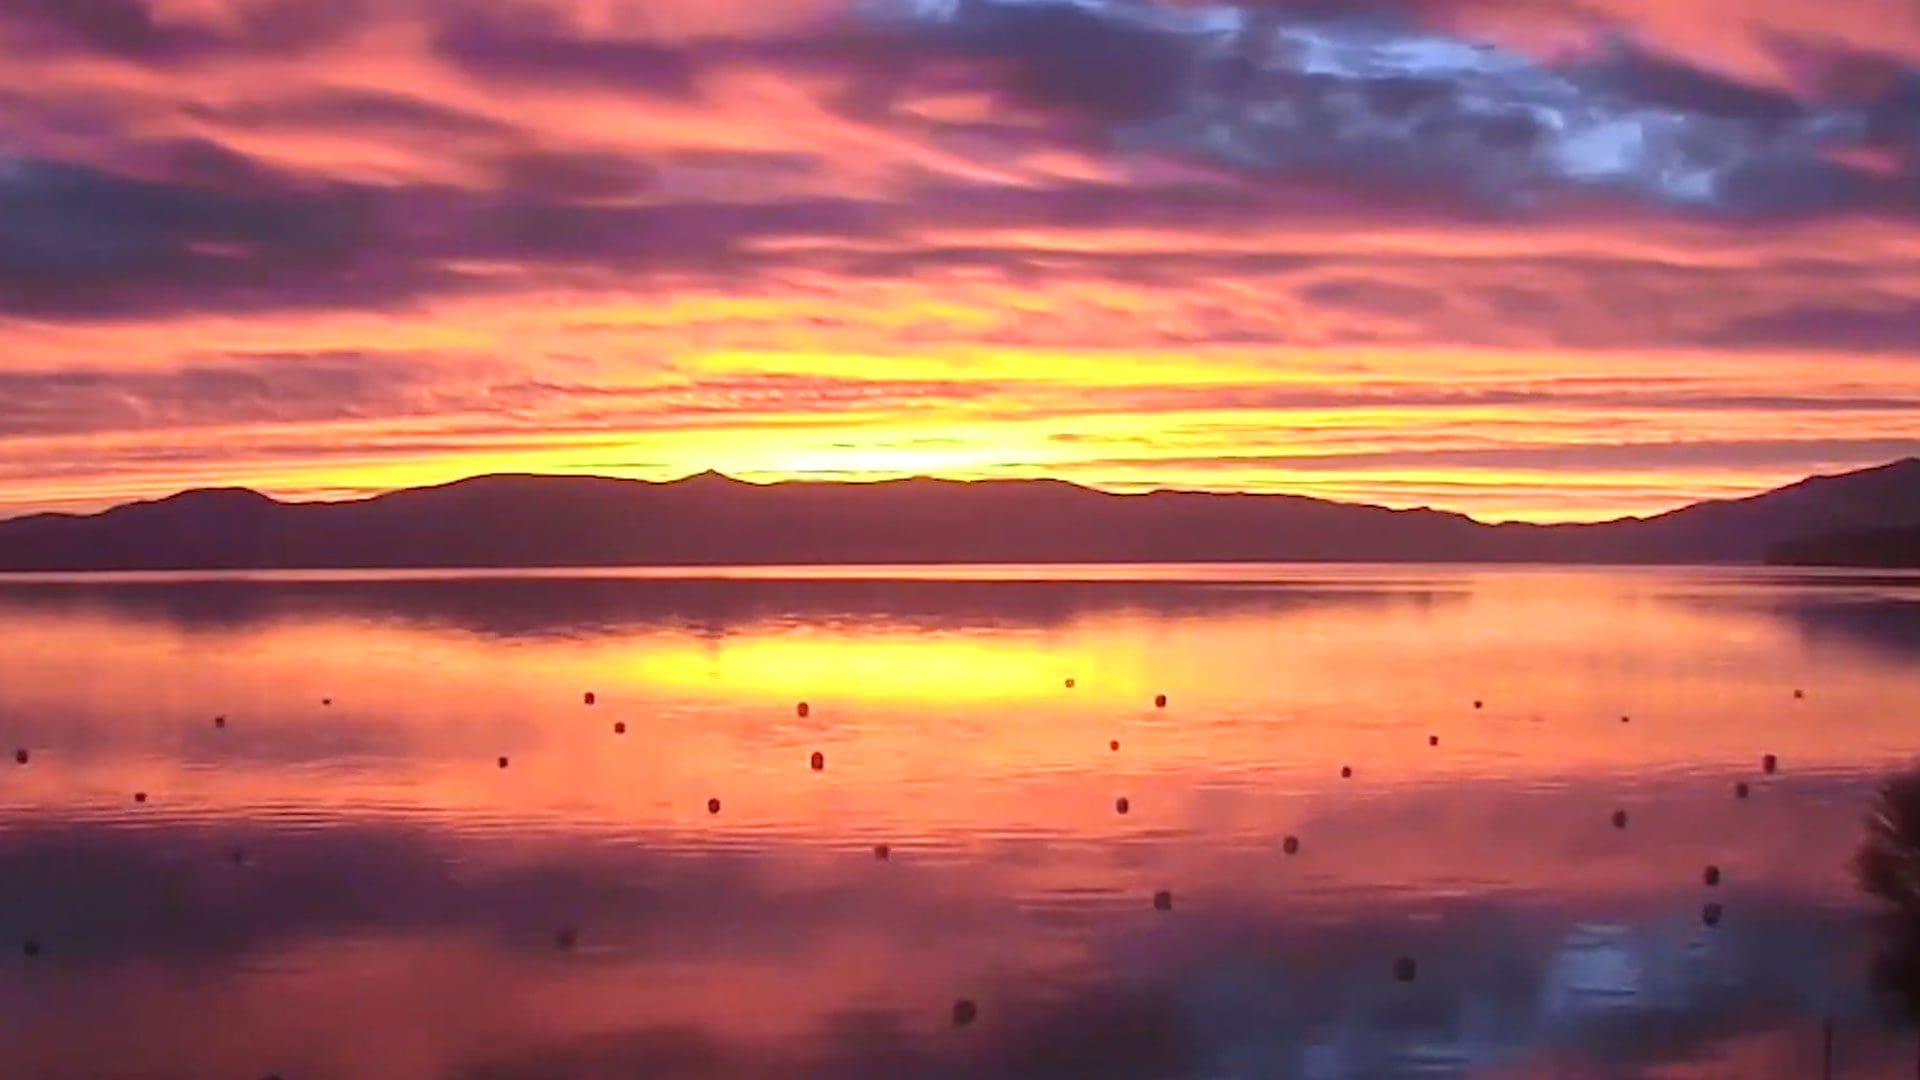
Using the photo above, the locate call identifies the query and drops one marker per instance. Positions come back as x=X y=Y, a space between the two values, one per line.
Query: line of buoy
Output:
x=590 y=697
x=1711 y=913
x=619 y=727
x=1769 y=764
x=1740 y=789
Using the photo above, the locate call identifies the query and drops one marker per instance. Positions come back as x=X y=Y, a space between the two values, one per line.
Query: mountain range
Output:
x=710 y=519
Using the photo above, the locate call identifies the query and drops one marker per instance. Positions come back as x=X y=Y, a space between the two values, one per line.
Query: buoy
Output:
x=882 y=852
x=1626 y=719
x=1712 y=875
x=326 y=701
x=1478 y=704
x=1346 y=772
x=503 y=761
x=1433 y=740
x=1799 y=694
x=237 y=856
x=1404 y=969
x=1159 y=701
x=140 y=796
x=20 y=756
x=713 y=806
x=220 y=721
x=818 y=761
x=589 y=697
x=1121 y=805
x=801 y=710
x=1619 y=819
x=1291 y=845
x=566 y=938
x=1740 y=789
x=620 y=727
x=31 y=947
x=1163 y=901
x=1770 y=764
x=1069 y=684
x=1711 y=913
x=1113 y=744
x=965 y=1012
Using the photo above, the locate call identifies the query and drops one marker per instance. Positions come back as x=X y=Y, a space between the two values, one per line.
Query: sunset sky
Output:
x=1535 y=259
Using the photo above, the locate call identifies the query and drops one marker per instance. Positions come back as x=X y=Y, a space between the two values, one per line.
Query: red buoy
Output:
x=801 y=710
x=1159 y=701
x=1163 y=901
x=818 y=761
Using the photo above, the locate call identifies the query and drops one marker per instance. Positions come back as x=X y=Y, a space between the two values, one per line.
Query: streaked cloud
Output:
x=1406 y=250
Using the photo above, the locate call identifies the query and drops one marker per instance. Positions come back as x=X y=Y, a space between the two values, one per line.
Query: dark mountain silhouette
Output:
x=709 y=519
x=1873 y=548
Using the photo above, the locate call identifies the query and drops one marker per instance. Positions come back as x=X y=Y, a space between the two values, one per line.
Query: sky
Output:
x=1524 y=259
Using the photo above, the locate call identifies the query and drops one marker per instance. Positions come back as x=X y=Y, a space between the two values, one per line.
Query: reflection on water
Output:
x=356 y=889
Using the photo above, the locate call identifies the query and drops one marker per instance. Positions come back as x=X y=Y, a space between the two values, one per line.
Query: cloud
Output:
x=134 y=30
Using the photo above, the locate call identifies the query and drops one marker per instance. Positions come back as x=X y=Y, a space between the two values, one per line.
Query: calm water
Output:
x=356 y=889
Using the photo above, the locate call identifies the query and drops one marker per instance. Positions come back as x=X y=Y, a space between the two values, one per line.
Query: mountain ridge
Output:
x=708 y=518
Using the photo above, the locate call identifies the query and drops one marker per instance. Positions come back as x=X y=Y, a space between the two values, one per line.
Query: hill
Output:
x=709 y=519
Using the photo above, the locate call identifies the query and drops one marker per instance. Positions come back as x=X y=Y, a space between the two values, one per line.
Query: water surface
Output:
x=342 y=881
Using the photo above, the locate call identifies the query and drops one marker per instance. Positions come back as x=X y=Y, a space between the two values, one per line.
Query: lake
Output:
x=342 y=879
